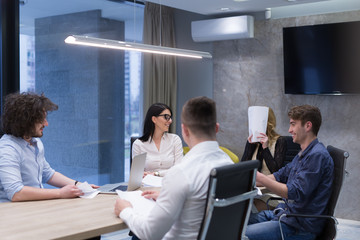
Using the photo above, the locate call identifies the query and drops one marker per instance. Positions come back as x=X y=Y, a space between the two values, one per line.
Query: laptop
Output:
x=135 y=179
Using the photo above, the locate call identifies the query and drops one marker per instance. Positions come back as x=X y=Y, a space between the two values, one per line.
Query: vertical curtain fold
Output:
x=159 y=74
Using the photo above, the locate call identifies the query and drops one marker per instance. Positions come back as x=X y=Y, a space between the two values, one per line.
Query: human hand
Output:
x=120 y=205
x=264 y=140
x=151 y=194
x=260 y=178
x=148 y=173
x=70 y=191
x=249 y=139
x=94 y=186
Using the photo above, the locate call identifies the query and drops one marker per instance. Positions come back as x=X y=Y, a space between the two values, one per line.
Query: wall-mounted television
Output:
x=322 y=59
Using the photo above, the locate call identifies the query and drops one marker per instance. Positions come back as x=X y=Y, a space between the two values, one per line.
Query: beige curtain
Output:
x=160 y=82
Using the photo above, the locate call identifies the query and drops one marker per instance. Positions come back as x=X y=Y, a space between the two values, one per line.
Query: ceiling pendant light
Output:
x=132 y=46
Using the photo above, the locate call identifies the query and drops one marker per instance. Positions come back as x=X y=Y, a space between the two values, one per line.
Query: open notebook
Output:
x=135 y=179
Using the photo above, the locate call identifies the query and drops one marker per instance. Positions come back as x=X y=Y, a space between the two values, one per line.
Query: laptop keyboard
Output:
x=121 y=187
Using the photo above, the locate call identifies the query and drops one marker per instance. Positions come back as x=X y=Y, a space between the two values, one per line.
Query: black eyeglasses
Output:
x=166 y=116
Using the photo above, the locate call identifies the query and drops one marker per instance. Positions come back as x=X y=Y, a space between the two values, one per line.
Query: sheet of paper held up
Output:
x=140 y=204
x=258 y=117
x=88 y=191
x=152 y=181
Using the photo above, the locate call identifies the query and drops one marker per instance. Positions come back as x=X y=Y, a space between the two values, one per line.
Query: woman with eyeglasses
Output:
x=163 y=149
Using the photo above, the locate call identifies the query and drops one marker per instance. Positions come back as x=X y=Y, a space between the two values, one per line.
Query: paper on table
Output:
x=140 y=204
x=88 y=191
x=152 y=181
x=258 y=117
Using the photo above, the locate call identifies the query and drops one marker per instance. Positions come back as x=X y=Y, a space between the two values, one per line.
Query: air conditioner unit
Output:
x=223 y=29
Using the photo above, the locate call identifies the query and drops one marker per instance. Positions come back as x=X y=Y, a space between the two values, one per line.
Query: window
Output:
x=97 y=90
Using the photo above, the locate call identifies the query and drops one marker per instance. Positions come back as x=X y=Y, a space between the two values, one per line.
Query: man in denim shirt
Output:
x=23 y=167
x=305 y=184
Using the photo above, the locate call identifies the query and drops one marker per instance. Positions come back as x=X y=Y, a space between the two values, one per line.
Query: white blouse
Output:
x=160 y=160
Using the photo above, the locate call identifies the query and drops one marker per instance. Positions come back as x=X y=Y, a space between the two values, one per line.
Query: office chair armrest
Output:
x=310 y=216
x=305 y=216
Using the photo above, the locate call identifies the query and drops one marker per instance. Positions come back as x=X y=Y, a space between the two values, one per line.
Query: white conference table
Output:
x=73 y=219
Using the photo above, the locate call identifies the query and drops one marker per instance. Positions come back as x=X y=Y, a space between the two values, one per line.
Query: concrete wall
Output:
x=249 y=72
x=195 y=77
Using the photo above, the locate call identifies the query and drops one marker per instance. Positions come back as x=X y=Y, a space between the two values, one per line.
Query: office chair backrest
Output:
x=132 y=140
x=339 y=157
x=229 y=201
x=291 y=149
x=1 y=131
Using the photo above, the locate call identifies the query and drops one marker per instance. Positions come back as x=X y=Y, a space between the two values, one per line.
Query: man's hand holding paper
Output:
x=120 y=205
x=134 y=199
x=151 y=194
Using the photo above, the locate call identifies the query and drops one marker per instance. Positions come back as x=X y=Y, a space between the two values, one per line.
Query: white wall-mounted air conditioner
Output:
x=223 y=29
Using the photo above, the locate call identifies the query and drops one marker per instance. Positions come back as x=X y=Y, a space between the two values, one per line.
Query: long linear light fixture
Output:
x=113 y=44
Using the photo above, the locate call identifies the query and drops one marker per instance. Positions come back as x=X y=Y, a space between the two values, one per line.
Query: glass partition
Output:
x=97 y=90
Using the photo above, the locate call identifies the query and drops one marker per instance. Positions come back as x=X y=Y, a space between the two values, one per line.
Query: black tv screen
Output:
x=322 y=59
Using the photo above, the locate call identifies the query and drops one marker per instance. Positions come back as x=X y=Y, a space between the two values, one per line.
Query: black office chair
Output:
x=229 y=201
x=329 y=232
x=292 y=149
x=1 y=131
x=132 y=140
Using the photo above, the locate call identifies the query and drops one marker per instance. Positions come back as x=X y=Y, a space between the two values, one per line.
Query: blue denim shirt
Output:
x=309 y=181
x=21 y=164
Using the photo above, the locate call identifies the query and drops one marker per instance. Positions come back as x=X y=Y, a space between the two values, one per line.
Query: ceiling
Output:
x=212 y=7
x=279 y=8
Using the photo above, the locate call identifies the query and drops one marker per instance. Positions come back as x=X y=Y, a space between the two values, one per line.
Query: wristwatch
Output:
x=157 y=174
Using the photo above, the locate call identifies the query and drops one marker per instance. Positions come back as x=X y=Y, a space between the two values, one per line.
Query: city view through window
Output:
x=98 y=91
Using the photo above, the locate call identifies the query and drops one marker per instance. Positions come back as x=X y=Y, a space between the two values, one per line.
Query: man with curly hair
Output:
x=23 y=167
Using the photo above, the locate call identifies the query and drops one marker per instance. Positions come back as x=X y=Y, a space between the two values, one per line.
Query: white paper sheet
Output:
x=259 y=193
x=140 y=204
x=88 y=191
x=152 y=181
x=258 y=117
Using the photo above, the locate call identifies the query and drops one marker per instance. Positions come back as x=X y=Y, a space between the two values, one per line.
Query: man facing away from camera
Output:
x=180 y=204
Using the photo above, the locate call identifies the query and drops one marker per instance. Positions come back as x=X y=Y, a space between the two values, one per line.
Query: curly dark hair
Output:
x=23 y=110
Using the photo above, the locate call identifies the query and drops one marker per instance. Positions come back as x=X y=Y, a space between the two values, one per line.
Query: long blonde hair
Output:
x=271 y=125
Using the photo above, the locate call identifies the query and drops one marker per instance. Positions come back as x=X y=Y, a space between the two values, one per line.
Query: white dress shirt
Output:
x=160 y=160
x=180 y=206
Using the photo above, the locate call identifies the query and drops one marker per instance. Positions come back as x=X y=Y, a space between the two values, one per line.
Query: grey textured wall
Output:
x=249 y=72
x=194 y=76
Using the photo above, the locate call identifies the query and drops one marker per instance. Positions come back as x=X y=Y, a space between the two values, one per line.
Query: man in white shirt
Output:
x=180 y=204
x=23 y=167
